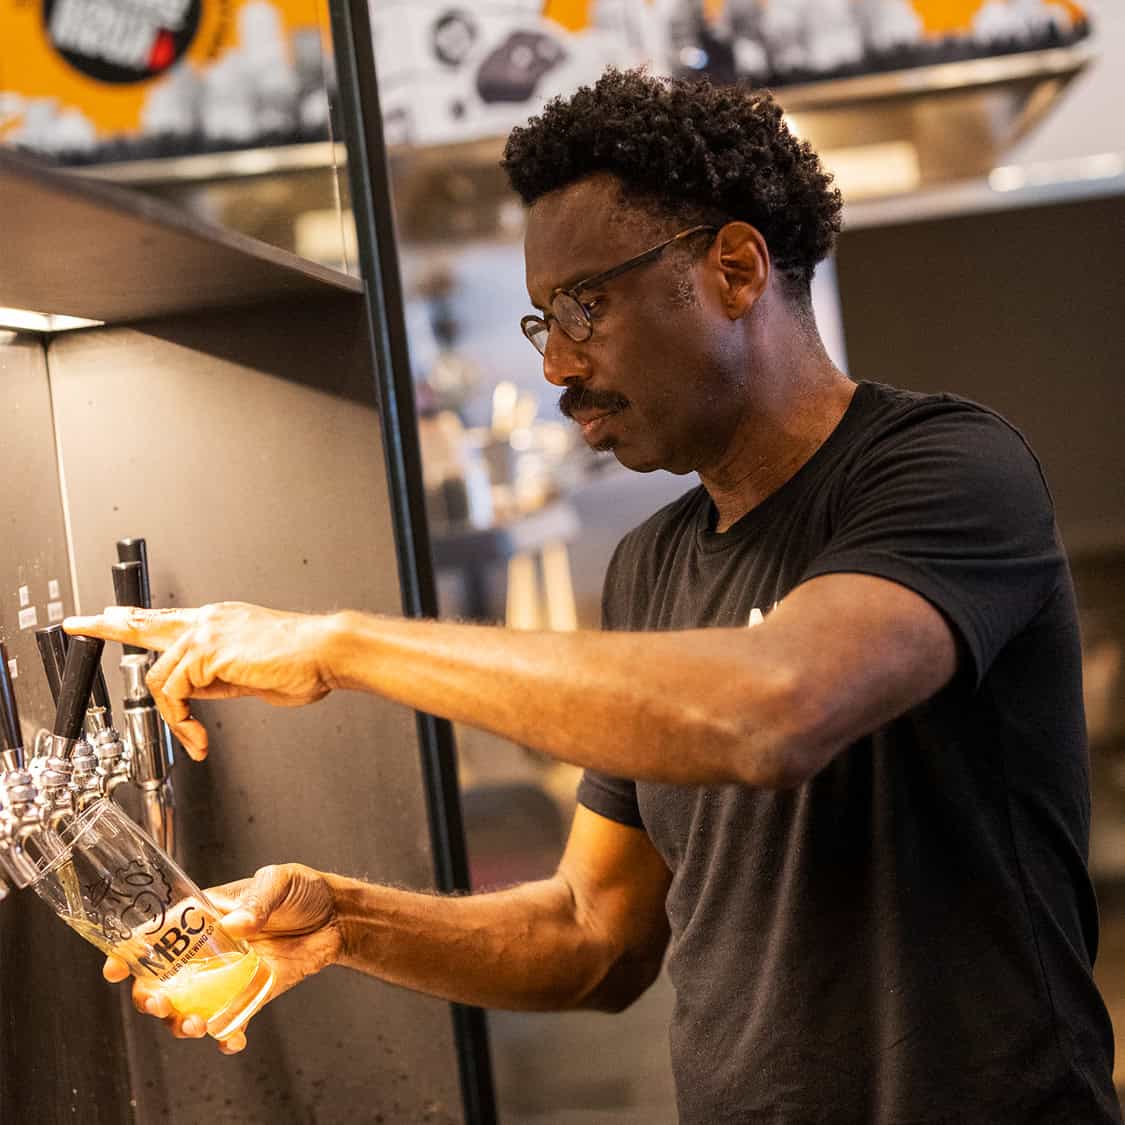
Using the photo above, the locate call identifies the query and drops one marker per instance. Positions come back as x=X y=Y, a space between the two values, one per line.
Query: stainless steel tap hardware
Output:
x=136 y=550
x=70 y=770
x=101 y=759
x=36 y=802
x=17 y=796
x=140 y=719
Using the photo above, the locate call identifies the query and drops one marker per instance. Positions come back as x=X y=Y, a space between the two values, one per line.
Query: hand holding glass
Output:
x=125 y=895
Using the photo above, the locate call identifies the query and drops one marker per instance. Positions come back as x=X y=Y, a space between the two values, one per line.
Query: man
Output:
x=832 y=730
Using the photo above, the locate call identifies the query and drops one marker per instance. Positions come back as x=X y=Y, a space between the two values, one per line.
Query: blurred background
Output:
x=980 y=146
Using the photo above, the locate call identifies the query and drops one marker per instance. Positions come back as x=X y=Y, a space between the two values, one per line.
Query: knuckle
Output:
x=251 y=902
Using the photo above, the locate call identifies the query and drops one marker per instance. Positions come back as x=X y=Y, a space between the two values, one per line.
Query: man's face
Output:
x=660 y=381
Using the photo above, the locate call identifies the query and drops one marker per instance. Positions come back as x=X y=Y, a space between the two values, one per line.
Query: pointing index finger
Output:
x=156 y=629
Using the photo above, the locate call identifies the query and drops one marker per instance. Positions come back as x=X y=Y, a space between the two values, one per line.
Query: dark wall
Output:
x=245 y=447
x=52 y=997
x=1019 y=309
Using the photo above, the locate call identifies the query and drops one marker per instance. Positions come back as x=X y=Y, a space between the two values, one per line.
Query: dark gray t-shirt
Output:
x=907 y=937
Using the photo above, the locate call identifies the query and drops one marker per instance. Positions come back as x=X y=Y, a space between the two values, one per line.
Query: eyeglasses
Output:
x=571 y=314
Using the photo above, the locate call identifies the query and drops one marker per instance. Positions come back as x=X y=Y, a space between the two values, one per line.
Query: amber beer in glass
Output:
x=112 y=884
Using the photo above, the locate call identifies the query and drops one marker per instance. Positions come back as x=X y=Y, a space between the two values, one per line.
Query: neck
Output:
x=797 y=398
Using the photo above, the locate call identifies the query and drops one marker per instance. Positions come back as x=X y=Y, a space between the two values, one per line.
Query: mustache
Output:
x=578 y=398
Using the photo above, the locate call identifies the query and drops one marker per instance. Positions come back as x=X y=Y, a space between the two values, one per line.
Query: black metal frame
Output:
x=369 y=180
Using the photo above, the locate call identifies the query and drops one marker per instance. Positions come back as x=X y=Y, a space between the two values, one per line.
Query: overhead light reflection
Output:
x=1014 y=177
x=24 y=320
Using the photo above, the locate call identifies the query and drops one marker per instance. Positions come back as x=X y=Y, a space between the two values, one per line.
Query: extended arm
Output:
x=592 y=936
x=766 y=706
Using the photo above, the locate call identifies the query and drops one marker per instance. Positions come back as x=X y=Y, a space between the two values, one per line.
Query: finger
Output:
x=185 y=1027
x=153 y=1003
x=233 y=1043
x=265 y=893
x=225 y=898
x=115 y=970
x=171 y=700
x=146 y=628
x=240 y=923
x=193 y=1027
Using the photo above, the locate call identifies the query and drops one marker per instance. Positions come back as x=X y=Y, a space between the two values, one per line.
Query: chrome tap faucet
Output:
x=37 y=804
x=20 y=826
x=17 y=795
x=141 y=721
x=136 y=550
x=72 y=689
x=100 y=761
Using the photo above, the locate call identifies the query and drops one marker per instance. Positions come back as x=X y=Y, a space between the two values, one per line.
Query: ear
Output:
x=743 y=262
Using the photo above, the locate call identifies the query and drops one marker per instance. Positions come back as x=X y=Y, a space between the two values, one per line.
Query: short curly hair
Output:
x=689 y=150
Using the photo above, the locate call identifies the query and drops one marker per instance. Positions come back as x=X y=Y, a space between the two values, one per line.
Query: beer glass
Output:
x=112 y=884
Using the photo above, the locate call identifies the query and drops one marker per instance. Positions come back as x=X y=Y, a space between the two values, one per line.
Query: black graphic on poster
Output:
x=121 y=41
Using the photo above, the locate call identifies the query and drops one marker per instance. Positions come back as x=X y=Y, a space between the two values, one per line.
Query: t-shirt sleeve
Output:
x=954 y=506
x=612 y=797
x=615 y=798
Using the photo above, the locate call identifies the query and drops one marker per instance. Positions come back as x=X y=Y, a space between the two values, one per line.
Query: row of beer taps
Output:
x=83 y=757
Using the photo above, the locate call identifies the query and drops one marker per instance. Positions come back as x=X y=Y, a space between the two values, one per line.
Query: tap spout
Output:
x=148 y=764
x=158 y=816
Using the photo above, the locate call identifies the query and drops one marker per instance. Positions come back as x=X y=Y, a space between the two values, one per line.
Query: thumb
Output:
x=257 y=902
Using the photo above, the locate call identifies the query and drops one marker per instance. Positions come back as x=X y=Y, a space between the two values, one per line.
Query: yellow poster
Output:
x=179 y=74
x=957 y=17
x=96 y=80
x=784 y=42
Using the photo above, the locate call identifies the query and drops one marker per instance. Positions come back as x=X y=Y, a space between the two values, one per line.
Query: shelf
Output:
x=215 y=167
x=1005 y=189
x=883 y=133
x=957 y=75
x=76 y=247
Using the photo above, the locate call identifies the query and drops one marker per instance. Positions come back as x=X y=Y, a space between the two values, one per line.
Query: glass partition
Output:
x=226 y=107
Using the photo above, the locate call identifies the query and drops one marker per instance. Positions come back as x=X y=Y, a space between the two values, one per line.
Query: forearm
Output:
x=641 y=705
x=523 y=948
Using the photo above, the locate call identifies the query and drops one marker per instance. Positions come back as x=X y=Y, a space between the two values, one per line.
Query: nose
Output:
x=563 y=360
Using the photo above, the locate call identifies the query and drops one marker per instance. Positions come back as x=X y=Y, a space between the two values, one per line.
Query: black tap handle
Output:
x=128 y=589
x=100 y=695
x=53 y=642
x=135 y=550
x=83 y=658
x=10 y=736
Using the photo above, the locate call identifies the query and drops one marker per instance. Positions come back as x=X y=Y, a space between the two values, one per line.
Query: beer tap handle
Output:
x=151 y=738
x=11 y=739
x=99 y=697
x=136 y=550
x=128 y=590
x=52 y=642
x=82 y=661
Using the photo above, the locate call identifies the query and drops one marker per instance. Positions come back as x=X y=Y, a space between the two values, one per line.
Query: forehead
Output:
x=579 y=231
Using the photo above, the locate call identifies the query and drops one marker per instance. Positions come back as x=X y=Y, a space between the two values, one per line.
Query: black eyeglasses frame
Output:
x=582 y=327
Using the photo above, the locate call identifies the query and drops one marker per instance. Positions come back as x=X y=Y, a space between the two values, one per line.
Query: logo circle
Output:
x=121 y=41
